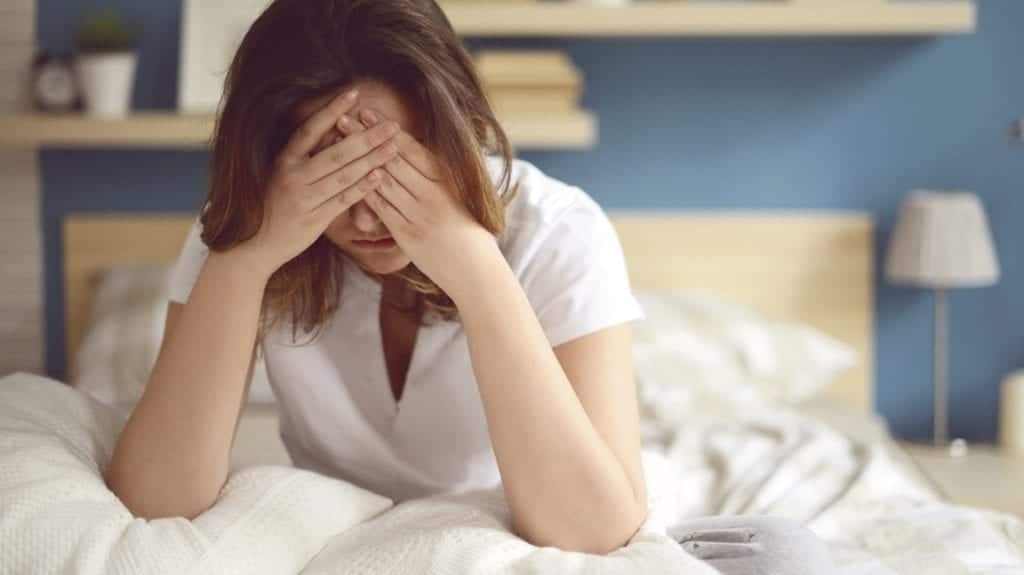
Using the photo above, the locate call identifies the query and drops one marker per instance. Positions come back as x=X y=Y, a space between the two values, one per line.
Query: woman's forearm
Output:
x=173 y=455
x=564 y=485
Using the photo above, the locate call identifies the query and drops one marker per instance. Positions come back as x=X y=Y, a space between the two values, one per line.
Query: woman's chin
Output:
x=382 y=264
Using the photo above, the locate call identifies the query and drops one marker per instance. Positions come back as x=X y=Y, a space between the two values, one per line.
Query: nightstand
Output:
x=984 y=477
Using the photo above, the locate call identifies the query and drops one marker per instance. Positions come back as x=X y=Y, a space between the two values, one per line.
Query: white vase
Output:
x=107 y=81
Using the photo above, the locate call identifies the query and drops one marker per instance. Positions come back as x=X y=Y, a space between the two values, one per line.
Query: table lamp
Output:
x=942 y=241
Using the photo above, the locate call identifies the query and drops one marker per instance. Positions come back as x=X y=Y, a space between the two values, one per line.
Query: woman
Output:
x=435 y=317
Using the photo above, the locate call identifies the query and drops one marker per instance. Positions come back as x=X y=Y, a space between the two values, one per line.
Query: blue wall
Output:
x=715 y=124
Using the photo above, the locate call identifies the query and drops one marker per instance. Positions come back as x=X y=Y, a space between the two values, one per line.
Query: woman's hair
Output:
x=299 y=50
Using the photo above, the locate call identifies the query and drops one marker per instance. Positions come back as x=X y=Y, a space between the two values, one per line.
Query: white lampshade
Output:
x=942 y=240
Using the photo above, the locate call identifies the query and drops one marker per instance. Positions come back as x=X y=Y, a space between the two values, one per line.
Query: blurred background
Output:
x=661 y=106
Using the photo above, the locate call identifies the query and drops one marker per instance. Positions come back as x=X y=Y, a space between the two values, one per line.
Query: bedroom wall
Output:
x=715 y=124
x=21 y=242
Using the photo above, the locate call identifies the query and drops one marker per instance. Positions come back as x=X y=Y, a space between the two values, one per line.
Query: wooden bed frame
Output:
x=814 y=268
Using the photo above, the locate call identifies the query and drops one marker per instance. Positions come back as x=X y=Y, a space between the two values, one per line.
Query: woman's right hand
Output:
x=307 y=192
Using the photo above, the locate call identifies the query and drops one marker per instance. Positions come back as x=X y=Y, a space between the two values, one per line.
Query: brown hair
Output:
x=299 y=50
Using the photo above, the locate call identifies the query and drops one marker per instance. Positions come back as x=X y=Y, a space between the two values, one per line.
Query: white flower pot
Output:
x=107 y=81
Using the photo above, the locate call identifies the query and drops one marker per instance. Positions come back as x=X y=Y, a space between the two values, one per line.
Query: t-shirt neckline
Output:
x=355 y=277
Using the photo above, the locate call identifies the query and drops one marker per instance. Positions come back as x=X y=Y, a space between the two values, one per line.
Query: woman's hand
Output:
x=307 y=192
x=419 y=207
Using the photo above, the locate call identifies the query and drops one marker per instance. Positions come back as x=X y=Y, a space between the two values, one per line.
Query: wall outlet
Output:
x=1017 y=132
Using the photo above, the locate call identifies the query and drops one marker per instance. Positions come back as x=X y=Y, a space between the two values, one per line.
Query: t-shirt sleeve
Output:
x=576 y=278
x=190 y=263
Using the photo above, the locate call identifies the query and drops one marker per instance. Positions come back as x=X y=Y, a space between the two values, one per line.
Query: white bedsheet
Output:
x=854 y=489
x=56 y=515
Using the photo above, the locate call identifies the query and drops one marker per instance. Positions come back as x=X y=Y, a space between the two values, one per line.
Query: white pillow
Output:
x=694 y=351
x=127 y=325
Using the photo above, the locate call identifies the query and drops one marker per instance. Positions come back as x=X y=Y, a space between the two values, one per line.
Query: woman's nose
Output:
x=364 y=219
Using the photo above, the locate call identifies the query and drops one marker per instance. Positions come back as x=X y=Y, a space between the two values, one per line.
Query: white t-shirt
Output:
x=338 y=414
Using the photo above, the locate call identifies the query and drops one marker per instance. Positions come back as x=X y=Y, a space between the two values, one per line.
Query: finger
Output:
x=418 y=156
x=370 y=117
x=409 y=177
x=305 y=139
x=393 y=220
x=344 y=152
x=416 y=153
x=396 y=195
x=347 y=126
x=340 y=202
x=352 y=172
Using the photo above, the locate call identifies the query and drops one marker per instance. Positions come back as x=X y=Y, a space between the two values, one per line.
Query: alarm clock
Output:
x=55 y=84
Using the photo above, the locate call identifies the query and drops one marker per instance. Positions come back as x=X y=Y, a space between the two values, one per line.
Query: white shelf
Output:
x=576 y=130
x=693 y=18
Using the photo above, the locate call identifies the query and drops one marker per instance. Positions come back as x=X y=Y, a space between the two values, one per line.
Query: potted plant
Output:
x=106 y=64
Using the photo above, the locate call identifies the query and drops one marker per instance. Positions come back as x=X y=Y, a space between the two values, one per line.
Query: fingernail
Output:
x=372 y=117
x=345 y=121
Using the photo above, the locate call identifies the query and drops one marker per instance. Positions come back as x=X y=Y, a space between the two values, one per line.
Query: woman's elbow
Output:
x=597 y=537
x=617 y=534
x=151 y=504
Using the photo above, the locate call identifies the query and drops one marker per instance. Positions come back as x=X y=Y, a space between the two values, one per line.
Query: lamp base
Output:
x=956 y=448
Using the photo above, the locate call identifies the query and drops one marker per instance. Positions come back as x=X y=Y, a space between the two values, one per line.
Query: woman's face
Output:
x=359 y=232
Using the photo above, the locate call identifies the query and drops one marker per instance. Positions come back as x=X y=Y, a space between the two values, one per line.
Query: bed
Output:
x=815 y=453
x=822 y=277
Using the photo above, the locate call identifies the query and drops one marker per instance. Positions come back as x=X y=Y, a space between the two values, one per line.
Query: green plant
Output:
x=105 y=33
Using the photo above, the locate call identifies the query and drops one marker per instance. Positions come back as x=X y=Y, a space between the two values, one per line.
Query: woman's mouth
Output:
x=375 y=245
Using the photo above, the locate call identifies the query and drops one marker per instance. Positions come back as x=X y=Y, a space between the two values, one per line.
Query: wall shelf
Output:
x=682 y=18
x=576 y=130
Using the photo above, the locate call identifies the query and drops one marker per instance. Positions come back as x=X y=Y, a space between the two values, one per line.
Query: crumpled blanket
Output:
x=858 y=493
x=57 y=515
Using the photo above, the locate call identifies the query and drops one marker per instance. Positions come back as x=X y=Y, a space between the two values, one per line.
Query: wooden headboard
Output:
x=816 y=268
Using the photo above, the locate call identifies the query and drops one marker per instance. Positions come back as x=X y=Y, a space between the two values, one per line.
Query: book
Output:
x=528 y=100
x=527 y=68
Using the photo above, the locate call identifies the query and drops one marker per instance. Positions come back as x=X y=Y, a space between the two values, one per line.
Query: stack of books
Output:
x=530 y=81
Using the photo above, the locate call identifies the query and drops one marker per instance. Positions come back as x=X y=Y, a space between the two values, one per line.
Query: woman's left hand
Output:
x=421 y=210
